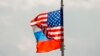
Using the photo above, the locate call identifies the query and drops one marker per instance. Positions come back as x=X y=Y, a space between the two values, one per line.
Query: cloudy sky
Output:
x=81 y=23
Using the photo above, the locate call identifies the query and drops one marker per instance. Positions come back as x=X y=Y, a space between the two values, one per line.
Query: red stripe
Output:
x=43 y=22
x=37 y=19
x=46 y=46
x=55 y=30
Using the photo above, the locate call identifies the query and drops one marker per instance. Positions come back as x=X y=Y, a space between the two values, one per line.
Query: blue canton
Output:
x=54 y=19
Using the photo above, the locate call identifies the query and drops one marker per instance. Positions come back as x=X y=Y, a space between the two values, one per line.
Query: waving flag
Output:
x=48 y=30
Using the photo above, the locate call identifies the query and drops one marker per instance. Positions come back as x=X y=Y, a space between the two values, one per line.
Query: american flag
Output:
x=50 y=23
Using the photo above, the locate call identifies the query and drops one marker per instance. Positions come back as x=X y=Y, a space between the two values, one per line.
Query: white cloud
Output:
x=84 y=4
x=4 y=3
x=5 y=21
x=22 y=5
x=29 y=4
x=50 y=2
x=25 y=44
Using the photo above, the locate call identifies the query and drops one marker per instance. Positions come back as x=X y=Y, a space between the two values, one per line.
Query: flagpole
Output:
x=62 y=45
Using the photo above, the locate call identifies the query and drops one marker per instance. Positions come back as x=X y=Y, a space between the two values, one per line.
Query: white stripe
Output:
x=59 y=27
x=41 y=16
x=36 y=29
x=54 y=33
x=36 y=22
x=57 y=38
x=44 y=24
x=33 y=23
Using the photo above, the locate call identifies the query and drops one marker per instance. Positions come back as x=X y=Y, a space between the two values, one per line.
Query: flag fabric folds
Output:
x=48 y=31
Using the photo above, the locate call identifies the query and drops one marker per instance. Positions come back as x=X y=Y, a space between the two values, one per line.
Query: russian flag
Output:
x=43 y=43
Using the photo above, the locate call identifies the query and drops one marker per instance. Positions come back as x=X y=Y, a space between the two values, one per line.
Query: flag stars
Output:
x=54 y=19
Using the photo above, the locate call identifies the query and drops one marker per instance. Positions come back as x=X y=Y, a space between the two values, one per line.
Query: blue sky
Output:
x=81 y=23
